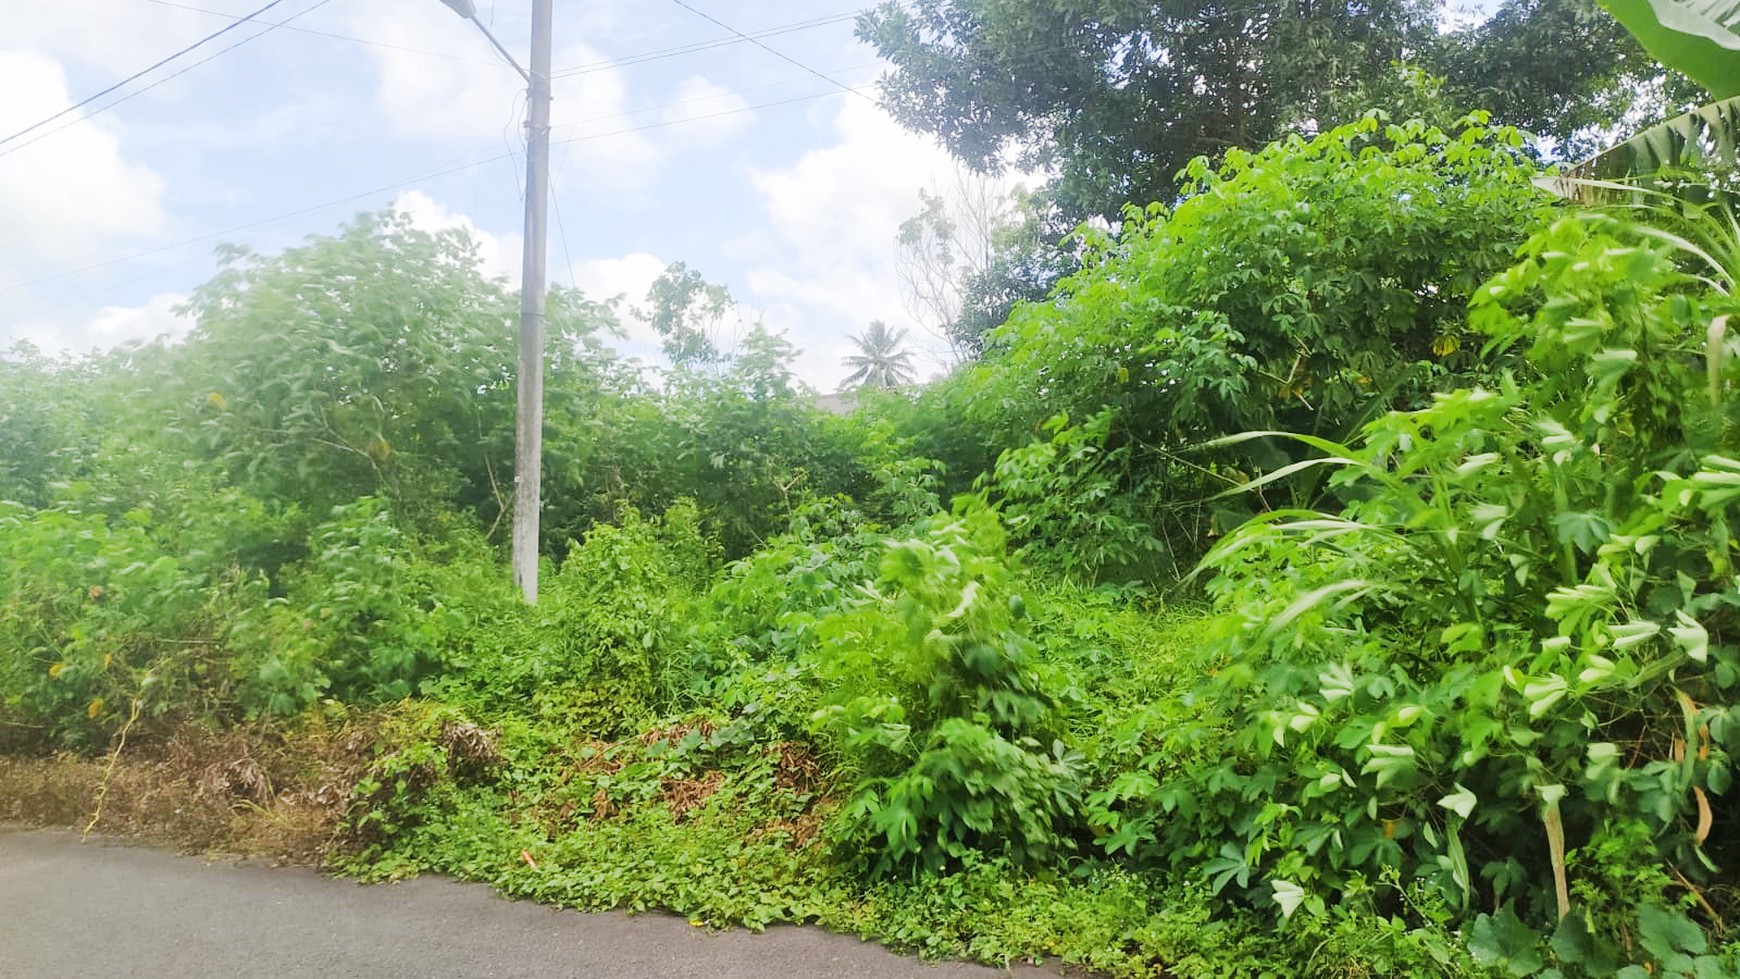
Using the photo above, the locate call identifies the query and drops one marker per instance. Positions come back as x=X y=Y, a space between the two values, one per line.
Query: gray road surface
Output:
x=107 y=910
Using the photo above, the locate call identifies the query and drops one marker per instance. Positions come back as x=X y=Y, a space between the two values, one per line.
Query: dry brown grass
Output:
x=254 y=791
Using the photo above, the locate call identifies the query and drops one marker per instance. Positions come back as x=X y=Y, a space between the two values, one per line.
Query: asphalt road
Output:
x=102 y=909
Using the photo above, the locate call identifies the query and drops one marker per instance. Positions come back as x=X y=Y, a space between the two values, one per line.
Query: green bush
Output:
x=597 y=652
x=1069 y=501
x=1519 y=627
x=936 y=707
x=108 y=620
x=352 y=623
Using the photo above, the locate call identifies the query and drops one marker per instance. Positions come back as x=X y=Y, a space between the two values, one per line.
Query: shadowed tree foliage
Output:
x=1118 y=95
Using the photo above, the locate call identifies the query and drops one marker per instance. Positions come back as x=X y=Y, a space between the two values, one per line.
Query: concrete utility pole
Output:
x=529 y=431
x=529 y=422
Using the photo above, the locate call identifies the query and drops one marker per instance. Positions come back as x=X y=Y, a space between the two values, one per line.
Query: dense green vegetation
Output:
x=1115 y=98
x=1335 y=576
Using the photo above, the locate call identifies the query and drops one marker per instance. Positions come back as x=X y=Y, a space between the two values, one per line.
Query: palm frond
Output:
x=1702 y=139
x=1698 y=38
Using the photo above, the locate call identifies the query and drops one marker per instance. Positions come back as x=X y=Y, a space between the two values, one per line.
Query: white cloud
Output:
x=475 y=101
x=500 y=254
x=105 y=34
x=110 y=326
x=625 y=280
x=158 y=317
x=68 y=195
x=832 y=219
x=709 y=114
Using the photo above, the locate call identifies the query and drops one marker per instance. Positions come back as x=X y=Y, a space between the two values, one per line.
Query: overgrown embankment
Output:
x=1452 y=689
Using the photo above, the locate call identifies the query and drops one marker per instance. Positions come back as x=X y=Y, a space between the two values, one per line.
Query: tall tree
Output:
x=950 y=243
x=881 y=361
x=689 y=314
x=1116 y=96
x=378 y=361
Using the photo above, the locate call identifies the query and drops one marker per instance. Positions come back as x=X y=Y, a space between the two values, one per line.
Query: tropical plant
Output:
x=1520 y=624
x=933 y=699
x=882 y=361
x=1701 y=39
x=1309 y=286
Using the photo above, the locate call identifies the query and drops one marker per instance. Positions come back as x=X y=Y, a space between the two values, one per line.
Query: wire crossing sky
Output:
x=741 y=137
x=87 y=100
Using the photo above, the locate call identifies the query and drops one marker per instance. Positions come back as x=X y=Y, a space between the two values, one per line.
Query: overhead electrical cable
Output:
x=631 y=59
x=268 y=28
x=335 y=35
x=627 y=59
x=136 y=75
x=710 y=97
x=842 y=86
x=400 y=185
x=735 y=37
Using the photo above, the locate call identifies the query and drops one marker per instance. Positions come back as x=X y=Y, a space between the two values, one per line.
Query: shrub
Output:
x=1519 y=628
x=935 y=705
x=101 y=623
x=593 y=655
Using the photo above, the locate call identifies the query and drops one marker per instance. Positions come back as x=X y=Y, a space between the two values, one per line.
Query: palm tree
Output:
x=881 y=362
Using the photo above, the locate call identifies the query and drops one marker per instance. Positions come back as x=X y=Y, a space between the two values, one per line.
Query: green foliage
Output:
x=1562 y=69
x=594 y=655
x=743 y=441
x=1503 y=635
x=1308 y=286
x=1303 y=283
x=96 y=617
x=1066 y=498
x=688 y=313
x=935 y=703
x=1698 y=38
x=1117 y=97
x=42 y=435
x=351 y=624
x=1465 y=705
x=376 y=362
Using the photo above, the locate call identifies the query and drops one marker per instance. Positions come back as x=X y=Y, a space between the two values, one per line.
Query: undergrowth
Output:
x=1460 y=698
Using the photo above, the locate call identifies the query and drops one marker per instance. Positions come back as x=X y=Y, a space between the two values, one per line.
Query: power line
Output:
x=656 y=54
x=165 y=79
x=710 y=97
x=707 y=45
x=842 y=86
x=664 y=124
x=400 y=185
x=92 y=98
x=335 y=35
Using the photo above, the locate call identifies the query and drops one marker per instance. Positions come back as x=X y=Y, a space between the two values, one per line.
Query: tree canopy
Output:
x=1117 y=96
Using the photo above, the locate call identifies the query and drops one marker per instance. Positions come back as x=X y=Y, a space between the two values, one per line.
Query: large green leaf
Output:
x=1699 y=138
x=1698 y=38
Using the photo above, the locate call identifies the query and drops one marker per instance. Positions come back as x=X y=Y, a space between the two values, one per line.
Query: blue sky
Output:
x=672 y=145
